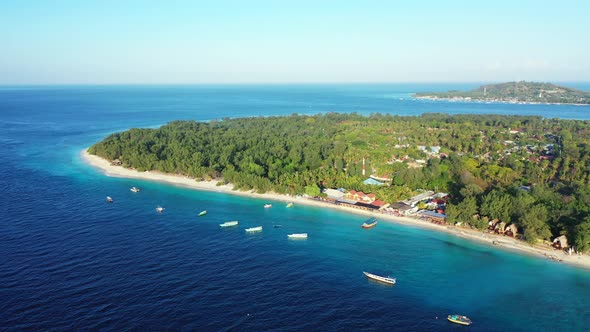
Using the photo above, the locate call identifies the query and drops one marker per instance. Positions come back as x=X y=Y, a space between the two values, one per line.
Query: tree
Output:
x=497 y=205
x=520 y=203
x=312 y=190
x=581 y=235
x=462 y=212
x=534 y=224
x=471 y=190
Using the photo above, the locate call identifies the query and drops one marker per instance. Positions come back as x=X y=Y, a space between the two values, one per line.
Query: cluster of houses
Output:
x=533 y=152
x=354 y=199
x=501 y=227
x=427 y=205
x=536 y=152
x=430 y=152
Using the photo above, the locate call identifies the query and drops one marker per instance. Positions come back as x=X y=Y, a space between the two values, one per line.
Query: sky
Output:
x=320 y=41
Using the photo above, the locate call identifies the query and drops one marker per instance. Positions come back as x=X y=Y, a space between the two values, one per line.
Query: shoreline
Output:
x=491 y=101
x=497 y=241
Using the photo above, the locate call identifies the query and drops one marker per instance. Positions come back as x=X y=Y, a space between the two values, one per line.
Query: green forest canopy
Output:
x=481 y=163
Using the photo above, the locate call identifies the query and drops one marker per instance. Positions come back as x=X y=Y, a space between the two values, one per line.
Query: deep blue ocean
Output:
x=71 y=262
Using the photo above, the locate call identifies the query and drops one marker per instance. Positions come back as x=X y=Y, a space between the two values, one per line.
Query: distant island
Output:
x=515 y=92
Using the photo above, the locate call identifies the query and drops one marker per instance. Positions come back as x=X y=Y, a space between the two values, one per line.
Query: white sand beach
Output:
x=497 y=241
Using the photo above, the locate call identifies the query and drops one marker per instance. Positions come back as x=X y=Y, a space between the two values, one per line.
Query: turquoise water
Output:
x=69 y=261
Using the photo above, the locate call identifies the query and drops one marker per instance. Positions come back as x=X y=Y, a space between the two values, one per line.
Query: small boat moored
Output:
x=297 y=236
x=229 y=223
x=109 y=199
x=202 y=213
x=290 y=205
x=253 y=229
x=160 y=209
x=386 y=280
x=459 y=319
x=267 y=206
x=135 y=189
x=369 y=223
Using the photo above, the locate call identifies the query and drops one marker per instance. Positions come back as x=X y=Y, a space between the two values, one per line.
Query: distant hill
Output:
x=527 y=92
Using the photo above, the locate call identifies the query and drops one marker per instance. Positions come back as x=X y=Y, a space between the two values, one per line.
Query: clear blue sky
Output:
x=126 y=41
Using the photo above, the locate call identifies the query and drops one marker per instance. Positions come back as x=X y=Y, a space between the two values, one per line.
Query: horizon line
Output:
x=275 y=83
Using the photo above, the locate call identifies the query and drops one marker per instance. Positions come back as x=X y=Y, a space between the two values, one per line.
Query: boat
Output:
x=386 y=280
x=369 y=223
x=297 y=236
x=277 y=226
x=202 y=213
x=254 y=229
x=267 y=206
x=229 y=224
x=135 y=189
x=459 y=319
x=109 y=199
x=290 y=205
x=160 y=209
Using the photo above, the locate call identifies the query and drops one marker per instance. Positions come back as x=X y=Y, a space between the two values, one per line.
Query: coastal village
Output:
x=430 y=206
x=427 y=206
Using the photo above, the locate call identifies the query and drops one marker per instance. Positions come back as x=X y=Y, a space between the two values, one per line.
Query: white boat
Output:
x=297 y=236
x=267 y=206
x=254 y=229
x=290 y=205
x=109 y=199
x=386 y=280
x=135 y=189
x=160 y=209
x=459 y=319
x=228 y=224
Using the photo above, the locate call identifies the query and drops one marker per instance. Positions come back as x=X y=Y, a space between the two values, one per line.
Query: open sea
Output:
x=71 y=262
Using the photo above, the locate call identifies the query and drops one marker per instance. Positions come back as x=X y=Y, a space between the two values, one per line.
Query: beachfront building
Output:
x=402 y=209
x=352 y=195
x=427 y=195
x=511 y=230
x=500 y=227
x=334 y=193
x=435 y=217
x=360 y=196
x=492 y=224
x=560 y=242
x=379 y=203
x=354 y=199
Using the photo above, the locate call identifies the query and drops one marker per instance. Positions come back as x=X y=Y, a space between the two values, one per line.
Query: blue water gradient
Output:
x=70 y=261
